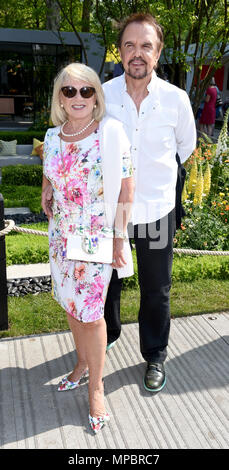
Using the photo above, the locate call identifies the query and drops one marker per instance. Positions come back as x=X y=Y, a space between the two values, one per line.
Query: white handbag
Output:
x=90 y=248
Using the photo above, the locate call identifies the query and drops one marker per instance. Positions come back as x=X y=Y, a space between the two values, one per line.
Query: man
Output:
x=159 y=122
x=158 y=119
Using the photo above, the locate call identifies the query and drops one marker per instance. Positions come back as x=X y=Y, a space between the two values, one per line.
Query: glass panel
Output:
x=28 y=73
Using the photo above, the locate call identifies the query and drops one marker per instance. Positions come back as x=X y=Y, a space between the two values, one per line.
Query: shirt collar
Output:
x=152 y=84
x=150 y=87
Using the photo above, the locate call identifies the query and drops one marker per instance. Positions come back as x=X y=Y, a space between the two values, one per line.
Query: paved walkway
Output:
x=191 y=412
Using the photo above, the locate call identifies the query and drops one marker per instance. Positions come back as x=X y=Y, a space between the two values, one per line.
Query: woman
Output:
x=208 y=115
x=87 y=160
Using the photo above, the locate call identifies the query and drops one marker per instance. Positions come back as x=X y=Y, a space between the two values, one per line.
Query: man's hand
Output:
x=47 y=200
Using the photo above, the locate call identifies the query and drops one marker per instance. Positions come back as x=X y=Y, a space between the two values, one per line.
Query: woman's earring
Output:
x=95 y=106
x=61 y=105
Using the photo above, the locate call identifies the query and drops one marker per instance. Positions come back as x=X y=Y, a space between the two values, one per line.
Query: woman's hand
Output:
x=118 y=253
x=47 y=200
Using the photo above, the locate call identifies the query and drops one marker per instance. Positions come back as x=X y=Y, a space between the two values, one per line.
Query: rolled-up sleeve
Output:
x=186 y=128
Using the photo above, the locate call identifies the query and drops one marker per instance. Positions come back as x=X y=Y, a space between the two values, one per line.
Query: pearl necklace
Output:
x=76 y=133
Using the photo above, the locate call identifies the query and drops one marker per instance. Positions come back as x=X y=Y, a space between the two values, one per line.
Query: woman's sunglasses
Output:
x=71 y=91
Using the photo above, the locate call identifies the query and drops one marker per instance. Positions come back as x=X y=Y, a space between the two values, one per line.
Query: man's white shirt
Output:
x=164 y=126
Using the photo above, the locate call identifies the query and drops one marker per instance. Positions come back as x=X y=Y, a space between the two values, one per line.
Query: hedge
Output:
x=189 y=268
x=22 y=137
x=28 y=175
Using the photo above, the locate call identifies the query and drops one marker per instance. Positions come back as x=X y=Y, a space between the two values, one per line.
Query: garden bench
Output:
x=23 y=157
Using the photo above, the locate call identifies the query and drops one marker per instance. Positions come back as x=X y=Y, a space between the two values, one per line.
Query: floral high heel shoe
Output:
x=66 y=384
x=98 y=423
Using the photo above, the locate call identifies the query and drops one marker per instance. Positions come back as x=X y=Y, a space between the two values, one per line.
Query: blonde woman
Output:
x=87 y=161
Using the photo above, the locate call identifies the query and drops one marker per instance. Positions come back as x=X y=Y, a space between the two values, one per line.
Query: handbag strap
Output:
x=64 y=169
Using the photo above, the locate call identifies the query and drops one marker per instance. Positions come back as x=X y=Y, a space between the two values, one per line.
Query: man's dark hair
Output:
x=141 y=18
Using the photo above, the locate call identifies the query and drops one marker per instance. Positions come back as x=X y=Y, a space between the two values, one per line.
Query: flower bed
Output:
x=206 y=196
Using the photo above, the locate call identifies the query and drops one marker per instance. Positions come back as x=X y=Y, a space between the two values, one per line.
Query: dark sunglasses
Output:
x=71 y=91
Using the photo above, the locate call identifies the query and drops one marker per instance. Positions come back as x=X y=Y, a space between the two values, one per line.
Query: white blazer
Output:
x=113 y=143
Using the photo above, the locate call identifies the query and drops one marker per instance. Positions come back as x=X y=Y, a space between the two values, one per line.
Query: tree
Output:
x=197 y=31
x=27 y=14
x=52 y=15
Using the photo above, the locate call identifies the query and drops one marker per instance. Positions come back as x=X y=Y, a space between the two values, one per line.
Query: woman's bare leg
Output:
x=95 y=335
x=90 y=340
x=81 y=365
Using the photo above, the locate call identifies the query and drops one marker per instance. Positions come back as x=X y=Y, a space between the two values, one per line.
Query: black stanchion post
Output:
x=3 y=279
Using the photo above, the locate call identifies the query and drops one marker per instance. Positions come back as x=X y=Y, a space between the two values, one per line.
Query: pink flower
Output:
x=79 y=272
x=76 y=191
x=71 y=309
x=95 y=296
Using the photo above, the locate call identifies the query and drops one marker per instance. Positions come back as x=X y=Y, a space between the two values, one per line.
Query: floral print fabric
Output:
x=76 y=176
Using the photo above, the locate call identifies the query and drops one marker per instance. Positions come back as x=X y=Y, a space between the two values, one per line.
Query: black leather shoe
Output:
x=154 y=379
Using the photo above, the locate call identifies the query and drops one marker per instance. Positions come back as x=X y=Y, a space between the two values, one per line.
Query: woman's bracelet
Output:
x=119 y=234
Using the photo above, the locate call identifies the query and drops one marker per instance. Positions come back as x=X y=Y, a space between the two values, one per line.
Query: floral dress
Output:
x=78 y=203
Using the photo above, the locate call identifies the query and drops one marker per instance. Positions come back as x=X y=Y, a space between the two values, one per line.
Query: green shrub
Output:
x=22 y=196
x=29 y=175
x=190 y=268
x=23 y=249
x=203 y=229
x=22 y=137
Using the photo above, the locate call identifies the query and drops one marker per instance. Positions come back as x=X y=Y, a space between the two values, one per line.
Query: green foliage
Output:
x=22 y=248
x=28 y=249
x=203 y=24
x=23 y=14
x=21 y=186
x=18 y=175
x=42 y=121
x=205 y=226
x=25 y=137
x=22 y=196
x=203 y=230
x=191 y=268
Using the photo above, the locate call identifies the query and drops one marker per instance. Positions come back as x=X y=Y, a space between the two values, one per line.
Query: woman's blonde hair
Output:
x=79 y=72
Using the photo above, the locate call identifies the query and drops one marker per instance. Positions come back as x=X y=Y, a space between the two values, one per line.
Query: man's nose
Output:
x=137 y=51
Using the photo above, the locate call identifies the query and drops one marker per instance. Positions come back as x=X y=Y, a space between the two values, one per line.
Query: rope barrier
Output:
x=189 y=251
x=10 y=225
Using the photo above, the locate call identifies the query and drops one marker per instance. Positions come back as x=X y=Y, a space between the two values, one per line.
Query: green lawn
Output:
x=22 y=248
x=200 y=285
x=35 y=314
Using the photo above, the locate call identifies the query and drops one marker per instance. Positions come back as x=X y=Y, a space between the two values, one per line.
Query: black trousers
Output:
x=154 y=249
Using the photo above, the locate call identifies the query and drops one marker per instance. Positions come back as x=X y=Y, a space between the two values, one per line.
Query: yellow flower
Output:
x=184 y=193
x=198 y=195
x=193 y=177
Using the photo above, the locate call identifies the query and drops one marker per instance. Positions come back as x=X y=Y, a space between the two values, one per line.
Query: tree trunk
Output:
x=53 y=15
x=87 y=4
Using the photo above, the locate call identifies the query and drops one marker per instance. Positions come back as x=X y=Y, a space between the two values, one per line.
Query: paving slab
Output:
x=20 y=271
x=16 y=210
x=191 y=412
